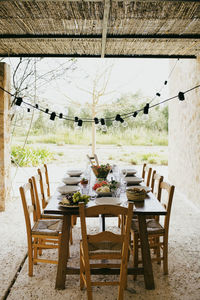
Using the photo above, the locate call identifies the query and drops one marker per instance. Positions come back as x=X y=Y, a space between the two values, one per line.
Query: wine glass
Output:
x=123 y=182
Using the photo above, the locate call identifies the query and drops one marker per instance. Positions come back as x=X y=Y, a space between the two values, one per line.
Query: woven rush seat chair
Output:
x=41 y=234
x=157 y=232
x=41 y=183
x=44 y=185
x=104 y=250
x=146 y=174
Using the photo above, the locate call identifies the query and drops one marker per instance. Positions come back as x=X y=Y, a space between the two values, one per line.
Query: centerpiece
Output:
x=101 y=171
x=103 y=187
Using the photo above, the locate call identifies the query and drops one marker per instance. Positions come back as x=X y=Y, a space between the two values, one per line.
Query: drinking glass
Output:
x=123 y=182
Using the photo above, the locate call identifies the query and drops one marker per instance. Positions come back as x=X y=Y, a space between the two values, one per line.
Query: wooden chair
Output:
x=44 y=185
x=93 y=160
x=146 y=174
x=41 y=234
x=157 y=233
x=155 y=184
x=36 y=182
x=104 y=247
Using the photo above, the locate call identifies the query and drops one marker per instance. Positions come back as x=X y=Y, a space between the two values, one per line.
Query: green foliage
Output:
x=29 y=156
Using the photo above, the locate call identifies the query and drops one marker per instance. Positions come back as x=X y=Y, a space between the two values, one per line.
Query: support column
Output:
x=184 y=130
x=5 y=164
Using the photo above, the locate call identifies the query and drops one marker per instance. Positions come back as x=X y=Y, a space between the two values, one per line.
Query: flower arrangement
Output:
x=105 y=186
x=101 y=171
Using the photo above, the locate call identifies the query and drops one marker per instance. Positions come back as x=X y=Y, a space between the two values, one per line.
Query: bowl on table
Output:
x=71 y=180
x=133 y=180
x=74 y=173
x=130 y=172
x=135 y=194
x=141 y=187
x=66 y=189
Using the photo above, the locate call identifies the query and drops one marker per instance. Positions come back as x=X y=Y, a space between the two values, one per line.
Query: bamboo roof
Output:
x=100 y=28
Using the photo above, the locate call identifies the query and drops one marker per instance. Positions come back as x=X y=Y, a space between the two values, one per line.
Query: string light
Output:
x=135 y=114
x=19 y=101
x=116 y=120
x=96 y=121
x=102 y=121
x=80 y=122
x=53 y=115
x=158 y=94
x=146 y=109
x=181 y=96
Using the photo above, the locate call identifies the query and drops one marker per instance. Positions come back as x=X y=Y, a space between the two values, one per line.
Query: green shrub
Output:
x=29 y=156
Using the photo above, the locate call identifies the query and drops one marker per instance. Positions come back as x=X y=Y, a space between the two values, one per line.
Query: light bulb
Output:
x=104 y=128
x=145 y=117
x=98 y=126
x=115 y=124
x=124 y=124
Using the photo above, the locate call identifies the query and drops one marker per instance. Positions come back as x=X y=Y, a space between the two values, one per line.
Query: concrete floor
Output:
x=183 y=281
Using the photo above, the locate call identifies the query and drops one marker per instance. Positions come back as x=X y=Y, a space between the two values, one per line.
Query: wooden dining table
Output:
x=150 y=206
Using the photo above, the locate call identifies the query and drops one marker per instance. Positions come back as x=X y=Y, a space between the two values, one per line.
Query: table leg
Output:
x=146 y=257
x=63 y=253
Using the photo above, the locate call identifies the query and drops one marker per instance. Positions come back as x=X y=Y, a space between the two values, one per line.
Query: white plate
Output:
x=130 y=171
x=71 y=180
x=65 y=189
x=141 y=187
x=108 y=200
x=67 y=205
x=102 y=194
x=74 y=173
x=133 y=180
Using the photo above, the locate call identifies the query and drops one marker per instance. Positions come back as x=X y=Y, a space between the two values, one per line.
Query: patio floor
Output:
x=183 y=281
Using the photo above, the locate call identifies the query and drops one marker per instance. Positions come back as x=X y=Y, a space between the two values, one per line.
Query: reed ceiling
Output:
x=95 y=28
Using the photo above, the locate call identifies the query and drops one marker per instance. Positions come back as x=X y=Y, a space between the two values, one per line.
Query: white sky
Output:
x=145 y=76
x=128 y=75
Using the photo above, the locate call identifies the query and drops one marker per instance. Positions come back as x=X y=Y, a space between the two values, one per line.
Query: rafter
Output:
x=105 y=26
x=96 y=36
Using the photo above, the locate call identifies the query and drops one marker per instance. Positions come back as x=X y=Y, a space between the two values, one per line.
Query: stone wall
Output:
x=184 y=130
x=5 y=182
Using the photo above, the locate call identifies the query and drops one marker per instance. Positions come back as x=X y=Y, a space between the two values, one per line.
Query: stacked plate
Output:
x=66 y=189
x=71 y=180
x=130 y=172
x=74 y=173
x=133 y=180
x=108 y=201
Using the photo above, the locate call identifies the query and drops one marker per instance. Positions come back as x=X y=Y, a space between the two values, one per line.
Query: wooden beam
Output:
x=158 y=1
x=96 y=56
x=98 y=36
x=105 y=26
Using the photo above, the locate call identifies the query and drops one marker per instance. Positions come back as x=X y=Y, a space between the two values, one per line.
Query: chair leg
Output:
x=157 y=241
x=81 y=271
x=165 y=255
x=30 y=260
x=35 y=251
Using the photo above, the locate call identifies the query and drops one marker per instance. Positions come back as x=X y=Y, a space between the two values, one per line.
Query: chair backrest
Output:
x=37 y=193
x=106 y=236
x=155 y=184
x=167 y=202
x=29 y=205
x=93 y=159
x=44 y=184
x=146 y=174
